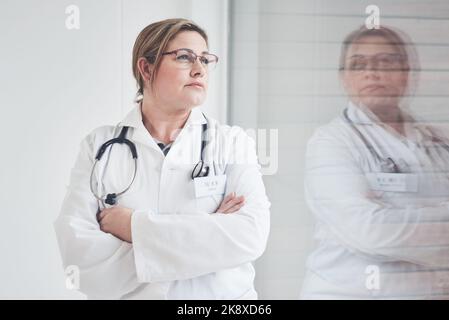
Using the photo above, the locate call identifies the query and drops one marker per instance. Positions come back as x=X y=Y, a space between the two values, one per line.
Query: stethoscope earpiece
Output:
x=205 y=171
x=201 y=169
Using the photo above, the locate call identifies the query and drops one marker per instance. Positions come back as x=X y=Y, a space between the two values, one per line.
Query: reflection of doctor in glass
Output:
x=377 y=182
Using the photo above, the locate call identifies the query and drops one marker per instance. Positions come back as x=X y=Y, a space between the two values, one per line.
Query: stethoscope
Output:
x=201 y=169
x=387 y=165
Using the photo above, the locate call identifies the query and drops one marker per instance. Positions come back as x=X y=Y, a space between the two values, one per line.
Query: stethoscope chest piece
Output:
x=389 y=166
x=111 y=199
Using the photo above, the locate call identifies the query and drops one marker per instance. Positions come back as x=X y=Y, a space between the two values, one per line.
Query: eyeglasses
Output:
x=379 y=62
x=186 y=58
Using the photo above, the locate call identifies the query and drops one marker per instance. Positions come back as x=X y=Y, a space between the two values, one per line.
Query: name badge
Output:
x=208 y=186
x=395 y=182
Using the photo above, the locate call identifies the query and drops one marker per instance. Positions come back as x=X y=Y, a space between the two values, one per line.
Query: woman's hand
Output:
x=231 y=203
x=116 y=221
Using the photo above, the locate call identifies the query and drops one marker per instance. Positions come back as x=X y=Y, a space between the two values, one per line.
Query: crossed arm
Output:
x=117 y=220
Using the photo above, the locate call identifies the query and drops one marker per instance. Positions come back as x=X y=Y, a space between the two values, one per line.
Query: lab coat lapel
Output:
x=139 y=133
x=385 y=140
x=134 y=119
x=186 y=148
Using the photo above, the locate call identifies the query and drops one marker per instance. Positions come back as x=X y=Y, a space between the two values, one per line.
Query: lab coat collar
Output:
x=134 y=117
x=141 y=134
x=414 y=131
x=362 y=115
x=358 y=116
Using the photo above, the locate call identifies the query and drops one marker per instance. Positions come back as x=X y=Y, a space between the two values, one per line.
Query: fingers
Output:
x=228 y=198
x=225 y=203
x=236 y=207
x=102 y=214
x=110 y=219
x=235 y=204
x=103 y=219
x=231 y=203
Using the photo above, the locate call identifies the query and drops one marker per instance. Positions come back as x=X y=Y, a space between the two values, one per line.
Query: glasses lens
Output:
x=390 y=61
x=381 y=62
x=209 y=61
x=185 y=57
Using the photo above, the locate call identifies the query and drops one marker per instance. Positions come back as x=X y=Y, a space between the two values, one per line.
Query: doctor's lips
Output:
x=373 y=87
x=196 y=84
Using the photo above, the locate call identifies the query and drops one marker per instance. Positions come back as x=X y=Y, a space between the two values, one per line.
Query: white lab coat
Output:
x=181 y=249
x=374 y=243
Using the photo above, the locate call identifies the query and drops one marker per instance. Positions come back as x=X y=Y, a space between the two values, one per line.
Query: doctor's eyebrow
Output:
x=363 y=56
x=356 y=56
x=188 y=49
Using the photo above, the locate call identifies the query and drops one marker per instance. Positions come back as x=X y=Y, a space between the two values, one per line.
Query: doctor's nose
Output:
x=371 y=73
x=198 y=69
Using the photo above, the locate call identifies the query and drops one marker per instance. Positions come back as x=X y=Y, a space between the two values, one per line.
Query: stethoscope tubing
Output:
x=385 y=162
x=201 y=169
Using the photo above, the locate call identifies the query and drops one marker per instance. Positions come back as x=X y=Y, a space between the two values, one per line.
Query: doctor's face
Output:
x=375 y=73
x=178 y=83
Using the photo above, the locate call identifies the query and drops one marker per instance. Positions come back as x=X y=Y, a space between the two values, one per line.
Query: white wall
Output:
x=284 y=75
x=56 y=85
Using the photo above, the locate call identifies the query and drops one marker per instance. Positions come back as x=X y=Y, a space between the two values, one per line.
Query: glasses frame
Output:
x=376 y=67
x=194 y=55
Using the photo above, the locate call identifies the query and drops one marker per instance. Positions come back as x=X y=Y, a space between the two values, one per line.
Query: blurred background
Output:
x=278 y=70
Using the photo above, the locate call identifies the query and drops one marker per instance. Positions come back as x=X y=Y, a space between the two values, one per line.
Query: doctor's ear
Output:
x=145 y=68
x=342 y=76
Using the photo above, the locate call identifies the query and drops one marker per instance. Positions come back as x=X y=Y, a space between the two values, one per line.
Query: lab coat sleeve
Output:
x=180 y=246
x=105 y=263
x=339 y=195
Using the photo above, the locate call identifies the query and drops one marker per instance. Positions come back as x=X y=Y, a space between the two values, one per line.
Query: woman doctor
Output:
x=377 y=182
x=159 y=227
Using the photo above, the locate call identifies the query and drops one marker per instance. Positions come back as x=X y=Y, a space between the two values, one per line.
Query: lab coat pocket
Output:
x=208 y=204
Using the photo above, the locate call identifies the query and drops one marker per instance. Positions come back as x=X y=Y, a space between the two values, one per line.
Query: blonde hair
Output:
x=152 y=42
